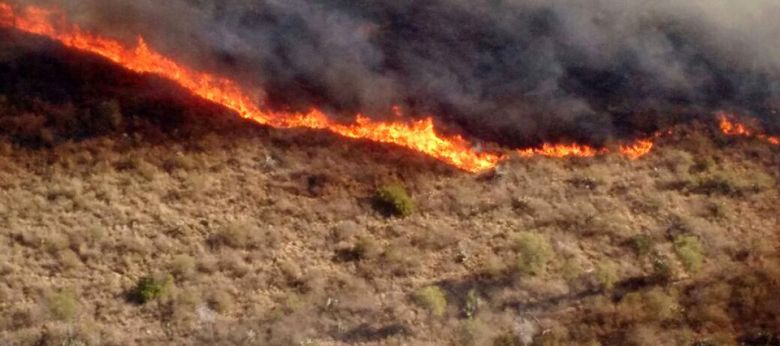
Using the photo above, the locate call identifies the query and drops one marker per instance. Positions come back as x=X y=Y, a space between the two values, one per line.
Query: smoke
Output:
x=513 y=71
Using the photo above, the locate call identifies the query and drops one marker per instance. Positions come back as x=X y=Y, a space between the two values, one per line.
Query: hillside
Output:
x=240 y=234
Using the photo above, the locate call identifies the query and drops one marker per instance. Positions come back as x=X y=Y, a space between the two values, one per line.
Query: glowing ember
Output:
x=417 y=135
x=730 y=127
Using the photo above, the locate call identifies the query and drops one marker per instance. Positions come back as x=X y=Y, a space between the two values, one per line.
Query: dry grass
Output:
x=272 y=237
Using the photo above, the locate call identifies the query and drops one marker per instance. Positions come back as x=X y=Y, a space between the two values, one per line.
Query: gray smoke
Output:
x=515 y=71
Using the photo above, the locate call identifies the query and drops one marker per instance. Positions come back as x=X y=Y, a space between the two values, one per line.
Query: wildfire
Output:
x=733 y=128
x=632 y=151
x=638 y=149
x=561 y=150
x=417 y=135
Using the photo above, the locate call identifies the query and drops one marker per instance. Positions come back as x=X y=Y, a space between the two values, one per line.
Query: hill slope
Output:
x=258 y=236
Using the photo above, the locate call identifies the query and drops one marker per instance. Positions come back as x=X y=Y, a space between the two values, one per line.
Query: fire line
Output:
x=418 y=135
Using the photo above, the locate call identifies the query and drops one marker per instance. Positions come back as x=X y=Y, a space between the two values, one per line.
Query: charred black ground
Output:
x=516 y=72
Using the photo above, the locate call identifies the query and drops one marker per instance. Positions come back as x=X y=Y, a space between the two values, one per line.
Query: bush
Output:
x=150 y=288
x=533 y=253
x=432 y=298
x=662 y=268
x=236 y=234
x=395 y=199
x=62 y=305
x=473 y=332
x=106 y=117
x=183 y=267
x=730 y=183
x=689 y=251
x=642 y=244
x=607 y=275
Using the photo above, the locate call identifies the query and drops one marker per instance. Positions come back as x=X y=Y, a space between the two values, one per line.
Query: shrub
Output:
x=400 y=259
x=654 y=305
x=150 y=288
x=473 y=332
x=364 y=248
x=507 y=339
x=221 y=301
x=642 y=244
x=236 y=234
x=367 y=247
x=662 y=268
x=473 y=303
x=431 y=298
x=607 y=275
x=533 y=253
x=689 y=251
x=106 y=116
x=395 y=199
x=730 y=183
x=661 y=305
x=62 y=305
x=183 y=267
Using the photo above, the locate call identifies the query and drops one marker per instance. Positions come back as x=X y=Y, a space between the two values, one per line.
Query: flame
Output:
x=419 y=135
x=632 y=151
x=638 y=149
x=730 y=127
x=561 y=151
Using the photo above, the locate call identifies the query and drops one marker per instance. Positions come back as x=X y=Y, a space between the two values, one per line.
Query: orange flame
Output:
x=730 y=127
x=638 y=149
x=562 y=150
x=417 y=135
x=632 y=151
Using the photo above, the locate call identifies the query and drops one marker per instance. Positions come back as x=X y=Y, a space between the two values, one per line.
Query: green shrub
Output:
x=642 y=244
x=432 y=298
x=533 y=253
x=395 y=199
x=690 y=252
x=150 y=288
x=63 y=305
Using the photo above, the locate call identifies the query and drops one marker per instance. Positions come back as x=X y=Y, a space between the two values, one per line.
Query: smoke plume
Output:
x=513 y=71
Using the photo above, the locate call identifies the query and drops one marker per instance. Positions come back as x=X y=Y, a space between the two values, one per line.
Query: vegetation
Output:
x=63 y=305
x=433 y=299
x=690 y=252
x=150 y=288
x=272 y=237
x=394 y=197
x=533 y=253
